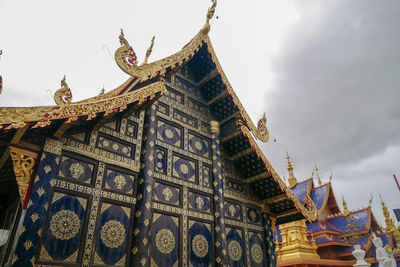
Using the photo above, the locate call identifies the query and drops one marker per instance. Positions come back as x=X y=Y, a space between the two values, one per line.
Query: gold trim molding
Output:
x=23 y=162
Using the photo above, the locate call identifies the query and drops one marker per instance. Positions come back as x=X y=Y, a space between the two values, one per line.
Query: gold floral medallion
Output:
x=256 y=253
x=119 y=181
x=200 y=246
x=167 y=193
x=235 y=251
x=232 y=210
x=112 y=234
x=65 y=224
x=253 y=216
x=165 y=241
x=76 y=170
x=199 y=202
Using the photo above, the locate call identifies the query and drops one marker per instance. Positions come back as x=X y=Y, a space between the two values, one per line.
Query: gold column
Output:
x=23 y=162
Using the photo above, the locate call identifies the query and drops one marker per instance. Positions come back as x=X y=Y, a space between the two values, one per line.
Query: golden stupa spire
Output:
x=388 y=221
x=345 y=209
x=317 y=171
x=292 y=180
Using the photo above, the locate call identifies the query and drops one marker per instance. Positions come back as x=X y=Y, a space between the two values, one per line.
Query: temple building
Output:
x=330 y=240
x=163 y=170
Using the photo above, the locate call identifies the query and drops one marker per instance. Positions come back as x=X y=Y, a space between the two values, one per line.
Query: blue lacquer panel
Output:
x=166 y=194
x=63 y=234
x=200 y=244
x=232 y=210
x=199 y=202
x=169 y=133
x=160 y=160
x=253 y=215
x=165 y=240
x=76 y=170
x=236 y=250
x=184 y=168
x=256 y=249
x=112 y=235
x=119 y=182
x=199 y=145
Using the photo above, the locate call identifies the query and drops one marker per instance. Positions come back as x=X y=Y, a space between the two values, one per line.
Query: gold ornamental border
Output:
x=14 y=118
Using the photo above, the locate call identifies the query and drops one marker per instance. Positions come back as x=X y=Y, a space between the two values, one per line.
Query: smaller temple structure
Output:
x=330 y=240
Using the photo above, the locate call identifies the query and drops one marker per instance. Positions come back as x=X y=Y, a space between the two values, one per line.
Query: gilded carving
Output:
x=63 y=95
x=167 y=193
x=119 y=181
x=23 y=163
x=235 y=251
x=65 y=224
x=200 y=246
x=199 y=202
x=165 y=241
x=112 y=234
x=232 y=210
x=76 y=170
x=256 y=253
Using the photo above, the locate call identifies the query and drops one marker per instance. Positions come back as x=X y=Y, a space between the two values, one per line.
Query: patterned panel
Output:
x=169 y=133
x=234 y=185
x=205 y=127
x=199 y=145
x=113 y=124
x=186 y=86
x=184 y=168
x=163 y=108
x=82 y=137
x=269 y=240
x=236 y=250
x=165 y=240
x=206 y=175
x=253 y=215
x=115 y=146
x=36 y=210
x=131 y=129
x=256 y=249
x=199 y=202
x=161 y=160
x=185 y=118
x=76 y=170
x=63 y=231
x=174 y=95
x=200 y=244
x=119 y=182
x=167 y=194
x=197 y=106
x=112 y=240
x=233 y=210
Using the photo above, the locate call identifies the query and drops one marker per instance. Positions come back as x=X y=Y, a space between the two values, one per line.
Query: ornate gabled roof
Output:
x=148 y=78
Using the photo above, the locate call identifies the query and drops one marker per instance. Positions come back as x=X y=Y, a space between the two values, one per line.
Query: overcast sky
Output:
x=327 y=73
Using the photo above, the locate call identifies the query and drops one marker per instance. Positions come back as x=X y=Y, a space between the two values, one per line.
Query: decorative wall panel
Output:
x=161 y=160
x=199 y=145
x=169 y=133
x=200 y=244
x=62 y=235
x=77 y=170
x=167 y=194
x=119 y=182
x=184 y=168
x=233 y=210
x=235 y=247
x=199 y=202
x=165 y=240
x=115 y=146
x=253 y=215
x=256 y=249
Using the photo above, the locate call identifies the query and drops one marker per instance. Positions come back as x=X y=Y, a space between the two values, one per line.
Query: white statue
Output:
x=381 y=254
x=359 y=254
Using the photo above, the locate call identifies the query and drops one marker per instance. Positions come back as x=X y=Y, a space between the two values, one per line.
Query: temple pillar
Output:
x=24 y=161
x=269 y=230
x=141 y=248
x=220 y=235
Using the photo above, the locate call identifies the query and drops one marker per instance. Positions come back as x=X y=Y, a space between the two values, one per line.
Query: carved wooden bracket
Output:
x=23 y=162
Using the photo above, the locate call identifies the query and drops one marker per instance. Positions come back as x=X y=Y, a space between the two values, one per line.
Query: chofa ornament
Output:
x=63 y=95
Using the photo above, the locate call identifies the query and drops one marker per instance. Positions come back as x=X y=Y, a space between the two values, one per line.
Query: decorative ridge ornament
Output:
x=318 y=176
x=63 y=95
x=292 y=180
x=262 y=133
x=149 y=50
x=206 y=28
x=388 y=221
x=308 y=200
x=345 y=209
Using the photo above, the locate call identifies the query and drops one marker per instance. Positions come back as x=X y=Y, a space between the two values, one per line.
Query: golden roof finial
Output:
x=388 y=221
x=330 y=177
x=206 y=28
x=63 y=95
x=149 y=50
x=345 y=209
x=370 y=201
x=317 y=171
x=292 y=180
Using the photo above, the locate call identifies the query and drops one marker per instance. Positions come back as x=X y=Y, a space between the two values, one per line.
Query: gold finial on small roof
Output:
x=345 y=209
x=330 y=177
x=388 y=221
x=210 y=14
x=149 y=50
x=370 y=201
x=318 y=177
x=292 y=180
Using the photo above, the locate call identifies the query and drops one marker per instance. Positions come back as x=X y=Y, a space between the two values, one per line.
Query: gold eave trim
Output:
x=42 y=116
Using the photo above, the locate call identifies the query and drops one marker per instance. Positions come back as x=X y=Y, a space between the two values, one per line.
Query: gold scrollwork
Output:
x=165 y=241
x=112 y=234
x=235 y=251
x=23 y=163
x=63 y=95
x=200 y=246
x=65 y=224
